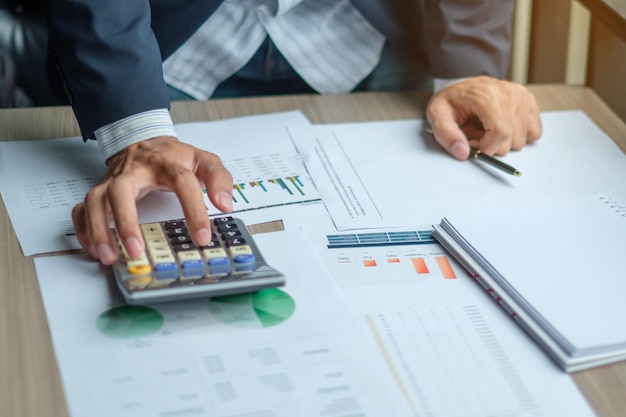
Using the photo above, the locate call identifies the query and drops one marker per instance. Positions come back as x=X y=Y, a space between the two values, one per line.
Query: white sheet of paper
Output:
x=452 y=349
x=295 y=352
x=41 y=181
x=389 y=174
x=564 y=258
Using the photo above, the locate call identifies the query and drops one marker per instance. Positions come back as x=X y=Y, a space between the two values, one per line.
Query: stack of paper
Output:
x=557 y=267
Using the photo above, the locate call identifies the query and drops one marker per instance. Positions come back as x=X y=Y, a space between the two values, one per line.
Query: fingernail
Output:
x=133 y=247
x=203 y=237
x=225 y=200
x=459 y=150
x=106 y=254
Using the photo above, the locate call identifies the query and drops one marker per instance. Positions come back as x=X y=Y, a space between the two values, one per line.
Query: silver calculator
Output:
x=173 y=268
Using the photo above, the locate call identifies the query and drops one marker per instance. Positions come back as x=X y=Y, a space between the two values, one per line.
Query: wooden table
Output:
x=30 y=383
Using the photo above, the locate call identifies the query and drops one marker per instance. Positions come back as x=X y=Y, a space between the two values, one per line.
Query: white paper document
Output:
x=451 y=348
x=558 y=264
x=392 y=173
x=292 y=351
x=41 y=181
x=379 y=321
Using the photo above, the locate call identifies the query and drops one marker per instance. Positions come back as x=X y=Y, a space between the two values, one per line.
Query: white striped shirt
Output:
x=327 y=42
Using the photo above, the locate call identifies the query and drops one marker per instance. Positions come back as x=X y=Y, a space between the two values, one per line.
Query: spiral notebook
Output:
x=558 y=267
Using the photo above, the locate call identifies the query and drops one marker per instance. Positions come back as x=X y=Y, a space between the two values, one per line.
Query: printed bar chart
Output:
x=369 y=262
x=239 y=188
x=420 y=265
x=269 y=181
x=385 y=257
x=297 y=184
x=445 y=267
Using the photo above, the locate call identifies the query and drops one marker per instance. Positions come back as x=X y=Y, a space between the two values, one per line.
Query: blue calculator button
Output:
x=165 y=266
x=219 y=261
x=192 y=264
x=193 y=268
x=166 y=271
x=244 y=258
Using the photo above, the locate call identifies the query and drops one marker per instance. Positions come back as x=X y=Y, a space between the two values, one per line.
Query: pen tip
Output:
x=517 y=173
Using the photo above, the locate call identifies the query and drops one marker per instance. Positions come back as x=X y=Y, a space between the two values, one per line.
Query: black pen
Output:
x=489 y=160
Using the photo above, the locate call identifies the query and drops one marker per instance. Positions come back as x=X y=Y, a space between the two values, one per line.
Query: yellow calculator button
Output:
x=139 y=268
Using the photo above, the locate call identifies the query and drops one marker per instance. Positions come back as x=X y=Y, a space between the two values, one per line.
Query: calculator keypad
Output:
x=171 y=257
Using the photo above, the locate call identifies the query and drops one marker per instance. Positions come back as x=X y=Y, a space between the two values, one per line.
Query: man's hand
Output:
x=492 y=115
x=162 y=163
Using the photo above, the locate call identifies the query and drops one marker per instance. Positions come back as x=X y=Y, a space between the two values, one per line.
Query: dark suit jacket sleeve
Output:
x=109 y=58
x=469 y=37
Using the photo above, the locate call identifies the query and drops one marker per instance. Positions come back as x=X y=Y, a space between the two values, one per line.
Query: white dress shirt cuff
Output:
x=441 y=83
x=118 y=135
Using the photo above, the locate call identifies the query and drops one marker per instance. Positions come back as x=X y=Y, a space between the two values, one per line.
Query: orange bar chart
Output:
x=445 y=267
x=420 y=265
x=369 y=262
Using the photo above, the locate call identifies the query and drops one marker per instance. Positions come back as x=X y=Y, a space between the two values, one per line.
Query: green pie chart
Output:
x=129 y=322
x=264 y=308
